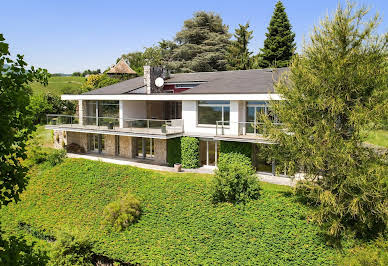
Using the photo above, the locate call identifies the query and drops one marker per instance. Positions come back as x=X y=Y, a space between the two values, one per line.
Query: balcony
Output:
x=126 y=126
x=243 y=131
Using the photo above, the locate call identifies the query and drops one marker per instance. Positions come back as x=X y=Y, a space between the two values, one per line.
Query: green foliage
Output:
x=236 y=147
x=190 y=152
x=333 y=92
x=202 y=44
x=122 y=213
x=279 y=46
x=378 y=137
x=72 y=249
x=374 y=253
x=176 y=212
x=235 y=179
x=96 y=81
x=174 y=151
x=16 y=123
x=56 y=156
x=15 y=250
x=239 y=56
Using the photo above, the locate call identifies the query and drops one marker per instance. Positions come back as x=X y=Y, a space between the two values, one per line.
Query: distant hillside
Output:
x=59 y=85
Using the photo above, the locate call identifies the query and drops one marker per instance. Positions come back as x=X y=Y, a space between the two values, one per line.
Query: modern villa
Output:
x=137 y=118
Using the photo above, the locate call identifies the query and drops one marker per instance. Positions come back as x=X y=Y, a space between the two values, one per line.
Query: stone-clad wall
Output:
x=161 y=151
x=60 y=139
x=126 y=144
x=109 y=145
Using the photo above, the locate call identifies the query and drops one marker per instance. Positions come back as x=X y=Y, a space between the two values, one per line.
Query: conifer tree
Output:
x=201 y=44
x=239 y=56
x=333 y=92
x=279 y=46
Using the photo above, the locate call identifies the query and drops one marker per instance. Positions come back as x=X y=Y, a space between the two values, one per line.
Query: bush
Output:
x=72 y=249
x=236 y=147
x=190 y=152
x=122 y=213
x=56 y=156
x=375 y=253
x=235 y=179
x=174 y=151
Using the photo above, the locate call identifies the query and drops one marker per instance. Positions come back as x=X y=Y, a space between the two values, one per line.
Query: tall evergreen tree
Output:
x=239 y=57
x=335 y=90
x=202 y=44
x=279 y=46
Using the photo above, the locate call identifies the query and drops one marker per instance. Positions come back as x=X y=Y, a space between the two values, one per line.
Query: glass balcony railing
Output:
x=242 y=128
x=132 y=125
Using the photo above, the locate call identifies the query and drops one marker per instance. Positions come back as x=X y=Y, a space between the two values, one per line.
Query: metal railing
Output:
x=134 y=125
x=241 y=128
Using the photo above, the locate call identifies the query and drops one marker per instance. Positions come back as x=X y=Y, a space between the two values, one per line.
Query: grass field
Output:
x=378 y=137
x=57 y=85
x=179 y=224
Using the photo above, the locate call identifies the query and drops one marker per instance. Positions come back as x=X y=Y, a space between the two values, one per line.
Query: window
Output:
x=209 y=112
x=108 y=109
x=96 y=142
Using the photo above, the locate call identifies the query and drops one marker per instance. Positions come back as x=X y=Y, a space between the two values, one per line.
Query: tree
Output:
x=279 y=46
x=202 y=44
x=239 y=56
x=16 y=123
x=330 y=95
x=136 y=61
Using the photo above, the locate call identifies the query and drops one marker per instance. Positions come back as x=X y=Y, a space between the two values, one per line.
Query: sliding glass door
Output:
x=145 y=148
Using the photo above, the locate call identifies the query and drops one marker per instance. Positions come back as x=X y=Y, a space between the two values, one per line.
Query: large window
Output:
x=209 y=112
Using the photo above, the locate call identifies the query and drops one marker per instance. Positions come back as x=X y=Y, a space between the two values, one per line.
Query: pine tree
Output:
x=239 y=56
x=202 y=44
x=334 y=91
x=279 y=46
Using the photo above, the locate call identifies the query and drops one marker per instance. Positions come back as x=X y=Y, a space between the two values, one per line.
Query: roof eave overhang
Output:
x=176 y=97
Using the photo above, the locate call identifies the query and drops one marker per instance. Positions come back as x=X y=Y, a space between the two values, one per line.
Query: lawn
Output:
x=59 y=85
x=179 y=224
x=378 y=137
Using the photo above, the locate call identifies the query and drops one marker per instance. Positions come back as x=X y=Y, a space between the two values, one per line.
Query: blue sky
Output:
x=68 y=36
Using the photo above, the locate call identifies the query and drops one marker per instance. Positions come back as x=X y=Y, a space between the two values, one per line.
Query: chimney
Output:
x=150 y=74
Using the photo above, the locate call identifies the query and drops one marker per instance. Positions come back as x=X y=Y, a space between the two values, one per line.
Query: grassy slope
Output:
x=378 y=137
x=56 y=85
x=179 y=223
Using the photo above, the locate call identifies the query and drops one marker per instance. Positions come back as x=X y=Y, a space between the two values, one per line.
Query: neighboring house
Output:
x=121 y=69
x=137 y=119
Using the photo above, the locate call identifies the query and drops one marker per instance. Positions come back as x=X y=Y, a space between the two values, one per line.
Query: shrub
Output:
x=72 y=249
x=122 y=213
x=190 y=152
x=56 y=156
x=235 y=179
x=375 y=253
x=174 y=151
x=236 y=147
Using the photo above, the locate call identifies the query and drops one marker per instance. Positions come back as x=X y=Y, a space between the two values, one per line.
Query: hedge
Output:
x=190 y=152
x=236 y=147
x=174 y=151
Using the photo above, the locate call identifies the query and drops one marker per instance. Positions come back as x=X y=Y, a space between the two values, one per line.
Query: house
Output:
x=140 y=117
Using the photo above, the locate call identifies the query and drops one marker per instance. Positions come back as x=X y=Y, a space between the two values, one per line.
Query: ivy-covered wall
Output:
x=190 y=152
x=174 y=151
x=236 y=147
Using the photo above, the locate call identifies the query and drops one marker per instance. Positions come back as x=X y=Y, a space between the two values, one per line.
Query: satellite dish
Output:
x=159 y=82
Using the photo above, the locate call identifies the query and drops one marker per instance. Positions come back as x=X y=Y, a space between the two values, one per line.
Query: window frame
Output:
x=221 y=104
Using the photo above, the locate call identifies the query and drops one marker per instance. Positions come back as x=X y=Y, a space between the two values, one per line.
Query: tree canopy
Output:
x=16 y=123
x=201 y=44
x=334 y=91
x=239 y=56
x=279 y=45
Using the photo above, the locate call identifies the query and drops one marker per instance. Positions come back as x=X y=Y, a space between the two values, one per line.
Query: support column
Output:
x=143 y=147
x=121 y=113
x=207 y=152
x=81 y=111
x=273 y=168
x=216 y=152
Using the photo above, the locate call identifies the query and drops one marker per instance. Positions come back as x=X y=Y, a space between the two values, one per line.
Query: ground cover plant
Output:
x=179 y=223
x=59 y=85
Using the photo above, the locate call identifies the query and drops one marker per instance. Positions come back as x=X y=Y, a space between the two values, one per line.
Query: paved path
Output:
x=146 y=164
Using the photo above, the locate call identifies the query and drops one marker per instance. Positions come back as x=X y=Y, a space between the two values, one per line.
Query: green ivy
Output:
x=174 y=151
x=190 y=152
x=236 y=147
